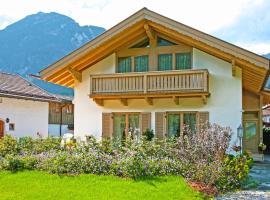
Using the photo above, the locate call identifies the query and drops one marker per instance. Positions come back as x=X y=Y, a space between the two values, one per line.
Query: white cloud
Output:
x=207 y=15
x=260 y=48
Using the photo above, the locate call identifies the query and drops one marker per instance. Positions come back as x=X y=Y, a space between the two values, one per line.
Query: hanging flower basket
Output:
x=261 y=147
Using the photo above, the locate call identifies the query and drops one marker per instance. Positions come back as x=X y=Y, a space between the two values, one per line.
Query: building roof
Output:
x=15 y=86
x=255 y=68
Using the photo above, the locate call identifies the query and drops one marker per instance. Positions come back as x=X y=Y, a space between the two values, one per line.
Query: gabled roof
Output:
x=254 y=67
x=15 y=86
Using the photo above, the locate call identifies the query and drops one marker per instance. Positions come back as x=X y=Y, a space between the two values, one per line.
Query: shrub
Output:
x=199 y=157
x=8 y=145
x=25 y=144
x=234 y=172
x=149 y=134
x=202 y=153
x=14 y=163
x=47 y=144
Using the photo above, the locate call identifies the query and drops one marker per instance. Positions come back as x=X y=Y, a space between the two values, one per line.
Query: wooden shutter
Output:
x=107 y=125
x=203 y=119
x=161 y=125
x=145 y=121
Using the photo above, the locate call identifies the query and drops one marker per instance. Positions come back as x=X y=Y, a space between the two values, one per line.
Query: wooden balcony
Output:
x=149 y=85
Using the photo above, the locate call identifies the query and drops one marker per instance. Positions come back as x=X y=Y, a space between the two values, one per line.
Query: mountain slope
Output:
x=267 y=55
x=38 y=40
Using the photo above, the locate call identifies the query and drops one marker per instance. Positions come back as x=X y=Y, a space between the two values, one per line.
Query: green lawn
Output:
x=38 y=185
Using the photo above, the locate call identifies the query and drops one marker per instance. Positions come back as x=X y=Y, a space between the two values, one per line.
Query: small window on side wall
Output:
x=124 y=64
x=12 y=127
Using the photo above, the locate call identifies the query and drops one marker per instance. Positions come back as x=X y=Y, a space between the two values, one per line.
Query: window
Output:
x=174 y=125
x=178 y=122
x=143 y=44
x=162 y=42
x=164 y=62
x=190 y=121
x=124 y=64
x=182 y=61
x=11 y=126
x=141 y=63
x=126 y=124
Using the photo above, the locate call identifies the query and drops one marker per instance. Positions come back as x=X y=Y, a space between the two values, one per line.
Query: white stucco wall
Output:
x=224 y=104
x=28 y=116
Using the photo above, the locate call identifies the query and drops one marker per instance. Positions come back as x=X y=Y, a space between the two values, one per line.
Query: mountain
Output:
x=267 y=55
x=38 y=40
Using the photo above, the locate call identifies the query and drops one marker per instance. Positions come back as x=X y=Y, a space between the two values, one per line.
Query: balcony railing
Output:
x=149 y=84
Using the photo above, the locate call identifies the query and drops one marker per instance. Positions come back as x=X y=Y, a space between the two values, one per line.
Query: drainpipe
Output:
x=61 y=119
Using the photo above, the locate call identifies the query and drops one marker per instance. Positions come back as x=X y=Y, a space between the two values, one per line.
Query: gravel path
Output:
x=261 y=173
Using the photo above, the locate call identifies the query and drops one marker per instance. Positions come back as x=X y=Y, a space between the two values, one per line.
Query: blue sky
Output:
x=242 y=22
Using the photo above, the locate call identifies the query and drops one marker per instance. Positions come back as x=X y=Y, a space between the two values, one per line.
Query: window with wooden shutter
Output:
x=160 y=124
x=145 y=121
x=107 y=125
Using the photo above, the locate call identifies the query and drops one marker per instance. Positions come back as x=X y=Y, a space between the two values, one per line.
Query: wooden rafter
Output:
x=124 y=102
x=176 y=100
x=99 y=102
x=150 y=33
x=233 y=68
x=75 y=74
x=204 y=99
x=149 y=100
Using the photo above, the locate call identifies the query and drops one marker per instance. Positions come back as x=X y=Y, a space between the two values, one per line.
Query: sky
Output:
x=242 y=22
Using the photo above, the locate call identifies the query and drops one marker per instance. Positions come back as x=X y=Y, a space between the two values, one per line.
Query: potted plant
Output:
x=261 y=147
x=236 y=148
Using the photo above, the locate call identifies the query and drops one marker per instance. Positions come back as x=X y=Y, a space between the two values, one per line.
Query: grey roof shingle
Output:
x=15 y=86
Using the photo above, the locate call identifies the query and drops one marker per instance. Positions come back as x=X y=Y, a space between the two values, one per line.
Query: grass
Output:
x=39 y=185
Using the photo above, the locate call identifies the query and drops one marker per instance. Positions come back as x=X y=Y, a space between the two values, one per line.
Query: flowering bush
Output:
x=196 y=156
x=234 y=171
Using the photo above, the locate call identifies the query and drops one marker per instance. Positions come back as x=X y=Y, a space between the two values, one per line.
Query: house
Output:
x=27 y=110
x=150 y=71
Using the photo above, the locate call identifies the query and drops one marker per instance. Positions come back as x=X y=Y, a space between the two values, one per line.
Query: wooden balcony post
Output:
x=145 y=84
x=91 y=85
x=205 y=81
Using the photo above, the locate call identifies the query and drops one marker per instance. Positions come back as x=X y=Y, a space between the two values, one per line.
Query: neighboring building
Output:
x=27 y=110
x=152 y=72
x=266 y=115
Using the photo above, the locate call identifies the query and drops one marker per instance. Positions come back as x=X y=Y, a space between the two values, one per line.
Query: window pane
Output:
x=141 y=63
x=124 y=64
x=183 y=61
x=250 y=130
x=173 y=125
x=163 y=42
x=119 y=125
x=190 y=121
x=164 y=62
x=133 y=125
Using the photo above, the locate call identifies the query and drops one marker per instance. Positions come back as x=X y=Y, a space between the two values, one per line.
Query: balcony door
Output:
x=126 y=124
